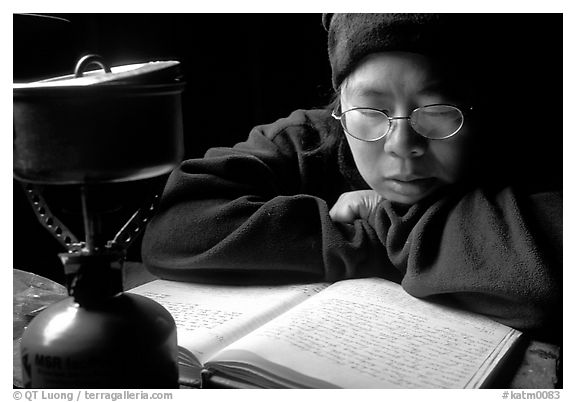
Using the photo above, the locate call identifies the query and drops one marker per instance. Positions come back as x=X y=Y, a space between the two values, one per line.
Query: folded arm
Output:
x=257 y=210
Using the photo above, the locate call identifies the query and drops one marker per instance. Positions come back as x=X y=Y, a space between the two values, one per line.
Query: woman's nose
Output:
x=403 y=141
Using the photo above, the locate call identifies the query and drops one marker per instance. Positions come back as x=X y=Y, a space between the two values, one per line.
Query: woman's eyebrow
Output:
x=370 y=91
x=434 y=88
x=430 y=89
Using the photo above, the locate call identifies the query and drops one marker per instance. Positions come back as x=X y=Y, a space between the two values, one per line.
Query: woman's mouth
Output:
x=411 y=186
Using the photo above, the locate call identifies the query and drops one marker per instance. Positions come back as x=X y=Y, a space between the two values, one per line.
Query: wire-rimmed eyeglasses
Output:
x=435 y=122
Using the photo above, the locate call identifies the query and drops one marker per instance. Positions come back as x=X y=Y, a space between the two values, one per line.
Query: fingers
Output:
x=355 y=205
x=342 y=213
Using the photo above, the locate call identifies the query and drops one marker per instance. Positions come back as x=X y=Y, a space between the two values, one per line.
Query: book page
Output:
x=209 y=317
x=369 y=333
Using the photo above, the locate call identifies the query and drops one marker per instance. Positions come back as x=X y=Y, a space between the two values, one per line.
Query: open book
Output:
x=358 y=333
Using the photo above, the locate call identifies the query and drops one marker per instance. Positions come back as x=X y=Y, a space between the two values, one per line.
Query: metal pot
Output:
x=89 y=129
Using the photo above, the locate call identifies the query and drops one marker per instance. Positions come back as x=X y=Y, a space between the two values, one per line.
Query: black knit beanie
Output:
x=460 y=40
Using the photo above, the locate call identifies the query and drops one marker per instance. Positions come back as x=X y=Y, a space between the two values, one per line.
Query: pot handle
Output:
x=85 y=61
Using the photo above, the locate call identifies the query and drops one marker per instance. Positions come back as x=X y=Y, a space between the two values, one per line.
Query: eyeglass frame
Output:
x=464 y=112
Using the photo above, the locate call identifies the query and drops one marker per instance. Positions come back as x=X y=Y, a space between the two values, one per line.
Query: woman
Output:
x=385 y=182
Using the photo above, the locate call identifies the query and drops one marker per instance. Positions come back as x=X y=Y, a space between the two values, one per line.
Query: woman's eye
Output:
x=370 y=113
x=437 y=114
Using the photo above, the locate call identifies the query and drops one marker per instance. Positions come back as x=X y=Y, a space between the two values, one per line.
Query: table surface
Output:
x=537 y=365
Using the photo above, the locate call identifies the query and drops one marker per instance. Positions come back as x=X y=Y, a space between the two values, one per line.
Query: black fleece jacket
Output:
x=259 y=212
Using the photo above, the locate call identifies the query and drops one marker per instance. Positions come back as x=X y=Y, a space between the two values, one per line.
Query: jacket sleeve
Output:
x=244 y=213
x=496 y=253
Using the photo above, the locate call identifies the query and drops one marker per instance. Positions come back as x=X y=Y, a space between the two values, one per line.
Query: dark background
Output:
x=241 y=70
x=247 y=69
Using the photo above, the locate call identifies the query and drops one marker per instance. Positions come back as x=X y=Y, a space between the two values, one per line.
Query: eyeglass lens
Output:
x=434 y=122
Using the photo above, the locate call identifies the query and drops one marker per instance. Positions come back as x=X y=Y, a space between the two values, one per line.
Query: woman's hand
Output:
x=355 y=205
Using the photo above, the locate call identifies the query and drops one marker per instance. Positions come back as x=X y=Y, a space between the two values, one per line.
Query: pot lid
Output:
x=154 y=72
